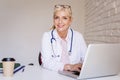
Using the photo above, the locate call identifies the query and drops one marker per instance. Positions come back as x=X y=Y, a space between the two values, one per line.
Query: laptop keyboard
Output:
x=76 y=73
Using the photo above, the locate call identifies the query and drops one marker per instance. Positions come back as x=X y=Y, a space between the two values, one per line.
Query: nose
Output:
x=60 y=20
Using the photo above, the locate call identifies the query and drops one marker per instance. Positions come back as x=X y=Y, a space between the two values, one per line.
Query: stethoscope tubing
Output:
x=52 y=38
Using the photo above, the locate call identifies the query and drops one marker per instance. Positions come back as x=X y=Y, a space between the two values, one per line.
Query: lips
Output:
x=60 y=26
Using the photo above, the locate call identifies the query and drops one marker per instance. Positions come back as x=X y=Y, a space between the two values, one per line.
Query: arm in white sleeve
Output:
x=83 y=48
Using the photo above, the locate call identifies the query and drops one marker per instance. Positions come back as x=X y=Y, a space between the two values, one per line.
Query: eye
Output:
x=56 y=17
x=65 y=18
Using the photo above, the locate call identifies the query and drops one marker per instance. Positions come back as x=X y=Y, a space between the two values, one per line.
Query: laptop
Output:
x=101 y=60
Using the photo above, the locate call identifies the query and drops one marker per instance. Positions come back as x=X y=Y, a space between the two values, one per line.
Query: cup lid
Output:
x=8 y=59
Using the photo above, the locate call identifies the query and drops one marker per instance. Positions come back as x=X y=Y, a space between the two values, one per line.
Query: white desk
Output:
x=38 y=73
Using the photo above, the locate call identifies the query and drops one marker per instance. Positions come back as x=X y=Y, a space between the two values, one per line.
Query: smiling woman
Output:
x=22 y=23
x=62 y=47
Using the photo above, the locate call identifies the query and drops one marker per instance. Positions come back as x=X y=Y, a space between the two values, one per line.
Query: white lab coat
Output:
x=53 y=63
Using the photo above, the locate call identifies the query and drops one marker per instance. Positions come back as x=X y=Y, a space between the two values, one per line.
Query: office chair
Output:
x=40 y=59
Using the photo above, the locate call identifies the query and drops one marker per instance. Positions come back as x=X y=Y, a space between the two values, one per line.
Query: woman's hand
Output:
x=76 y=67
x=73 y=67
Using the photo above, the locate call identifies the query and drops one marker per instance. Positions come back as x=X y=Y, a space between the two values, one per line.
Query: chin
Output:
x=60 y=29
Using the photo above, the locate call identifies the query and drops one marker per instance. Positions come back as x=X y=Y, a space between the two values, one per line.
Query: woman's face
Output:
x=62 y=21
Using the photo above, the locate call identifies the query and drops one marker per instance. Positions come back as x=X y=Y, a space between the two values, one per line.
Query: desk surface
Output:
x=38 y=73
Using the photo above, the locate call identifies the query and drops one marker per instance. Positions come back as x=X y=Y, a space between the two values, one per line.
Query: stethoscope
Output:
x=53 y=39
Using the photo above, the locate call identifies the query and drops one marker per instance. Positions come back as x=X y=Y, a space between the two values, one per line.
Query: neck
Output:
x=63 y=34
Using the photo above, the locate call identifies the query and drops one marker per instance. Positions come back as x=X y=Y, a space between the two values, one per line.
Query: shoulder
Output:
x=47 y=33
x=76 y=33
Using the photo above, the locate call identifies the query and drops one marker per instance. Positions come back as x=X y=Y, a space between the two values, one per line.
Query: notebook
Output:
x=101 y=60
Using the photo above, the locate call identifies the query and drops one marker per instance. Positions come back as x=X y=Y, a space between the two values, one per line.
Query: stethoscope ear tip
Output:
x=69 y=53
x=55 y=56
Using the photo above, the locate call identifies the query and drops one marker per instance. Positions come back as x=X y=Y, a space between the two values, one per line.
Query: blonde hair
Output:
x=62 y=8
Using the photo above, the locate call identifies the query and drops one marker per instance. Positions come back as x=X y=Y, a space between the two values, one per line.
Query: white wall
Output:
x=22 y=23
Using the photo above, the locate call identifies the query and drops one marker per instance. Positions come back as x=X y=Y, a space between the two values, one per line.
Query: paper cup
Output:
x=8 y=66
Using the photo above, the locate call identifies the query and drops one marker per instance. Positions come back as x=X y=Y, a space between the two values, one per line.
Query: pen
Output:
x=22 y=67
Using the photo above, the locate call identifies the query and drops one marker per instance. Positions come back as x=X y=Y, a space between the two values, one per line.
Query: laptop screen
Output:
x=101 y=60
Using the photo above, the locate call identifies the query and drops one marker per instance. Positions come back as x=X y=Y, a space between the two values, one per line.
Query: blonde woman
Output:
x=62 y=47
